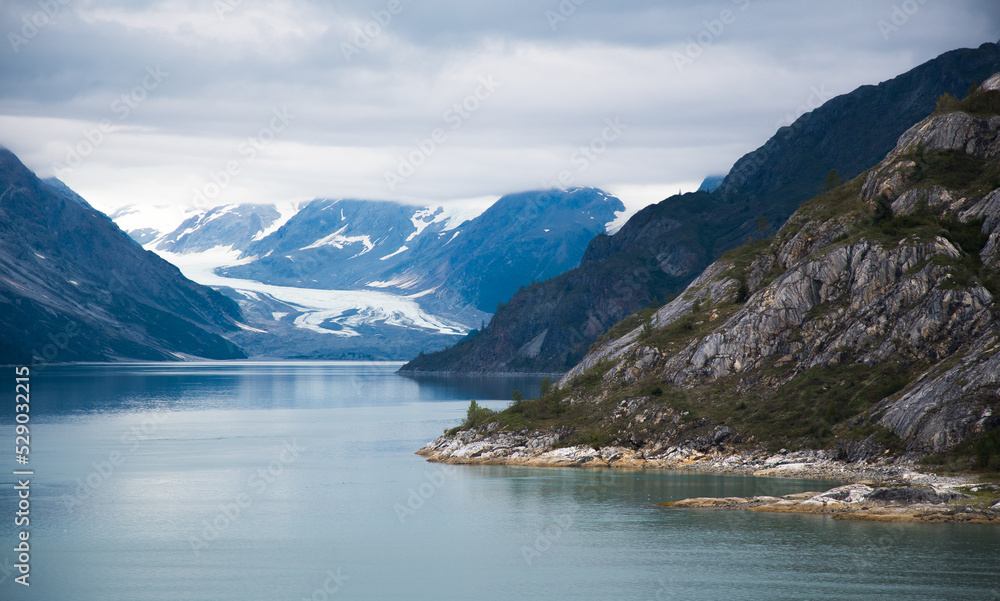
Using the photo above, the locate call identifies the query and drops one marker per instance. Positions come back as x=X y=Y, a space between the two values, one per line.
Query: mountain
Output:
x=352 y=244
x=237 y=226
x=363 y=279
x=77 y=288
x=550 y=326
x=344 y=244
x=60 y=187
x=867 y=327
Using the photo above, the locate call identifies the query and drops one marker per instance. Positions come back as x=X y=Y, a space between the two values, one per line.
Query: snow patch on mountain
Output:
x=287 y=210
x=423 y=218
x=404 y=281
x=402 y=249
x=216 y=213
x=338 y=241
x=456 y=214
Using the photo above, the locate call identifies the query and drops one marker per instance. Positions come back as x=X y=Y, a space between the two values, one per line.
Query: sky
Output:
x=213 y=102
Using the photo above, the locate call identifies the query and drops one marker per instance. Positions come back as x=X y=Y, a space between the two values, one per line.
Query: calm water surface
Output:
x=265 y=481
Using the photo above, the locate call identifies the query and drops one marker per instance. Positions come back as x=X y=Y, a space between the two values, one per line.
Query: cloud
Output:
x=367 y=82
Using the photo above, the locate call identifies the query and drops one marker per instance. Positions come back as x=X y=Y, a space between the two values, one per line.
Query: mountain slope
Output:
x=868 y=326
x=75 y=287
x=520 y=239
x=549 y=326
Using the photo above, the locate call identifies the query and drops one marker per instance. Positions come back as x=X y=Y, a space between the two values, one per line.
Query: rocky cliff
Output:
x=549 y=326
x=868 y=326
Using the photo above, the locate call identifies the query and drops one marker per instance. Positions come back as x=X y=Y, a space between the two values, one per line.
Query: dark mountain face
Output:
x=549 y=326
x=74 y=287
x=59 y=186
x=849 y=133
x=521 y=239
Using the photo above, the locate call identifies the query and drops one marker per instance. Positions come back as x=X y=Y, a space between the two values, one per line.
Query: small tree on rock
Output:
x=945 y=101
x=832 y=181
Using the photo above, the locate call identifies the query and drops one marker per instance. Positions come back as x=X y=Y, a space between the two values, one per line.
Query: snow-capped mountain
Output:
x=181 y=229
x=343 y=244
x=236 y=226
x=348 y=274
x=474 y=264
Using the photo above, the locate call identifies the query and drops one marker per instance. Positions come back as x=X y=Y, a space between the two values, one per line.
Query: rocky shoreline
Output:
x=881 y=490
x=538 y=449
x=906 y=503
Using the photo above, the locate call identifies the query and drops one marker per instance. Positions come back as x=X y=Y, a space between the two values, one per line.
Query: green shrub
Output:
x=477 y=416
x=945 y=101
x=742 y=292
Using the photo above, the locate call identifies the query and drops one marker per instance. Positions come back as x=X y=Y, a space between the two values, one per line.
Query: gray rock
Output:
x=909 y=495
x=933 y=197
x=993 y=83
x=953 y=131
x=946 y=408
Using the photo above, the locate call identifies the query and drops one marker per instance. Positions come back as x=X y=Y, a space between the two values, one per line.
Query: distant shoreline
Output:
x=465 y=374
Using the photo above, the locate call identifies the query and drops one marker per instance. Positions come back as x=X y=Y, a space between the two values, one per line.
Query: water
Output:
x=149 y=486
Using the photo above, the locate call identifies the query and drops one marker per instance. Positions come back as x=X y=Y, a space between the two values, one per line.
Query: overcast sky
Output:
x=434 y=100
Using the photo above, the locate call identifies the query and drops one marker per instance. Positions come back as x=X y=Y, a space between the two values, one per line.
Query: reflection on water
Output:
x=257 y=481
x=248 y=384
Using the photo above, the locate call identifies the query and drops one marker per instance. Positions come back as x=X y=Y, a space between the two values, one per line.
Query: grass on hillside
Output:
x=842 y=200
x=840 y=399
x=955 y=170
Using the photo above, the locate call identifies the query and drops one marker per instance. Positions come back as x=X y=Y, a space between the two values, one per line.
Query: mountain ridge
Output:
x=633 y=270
